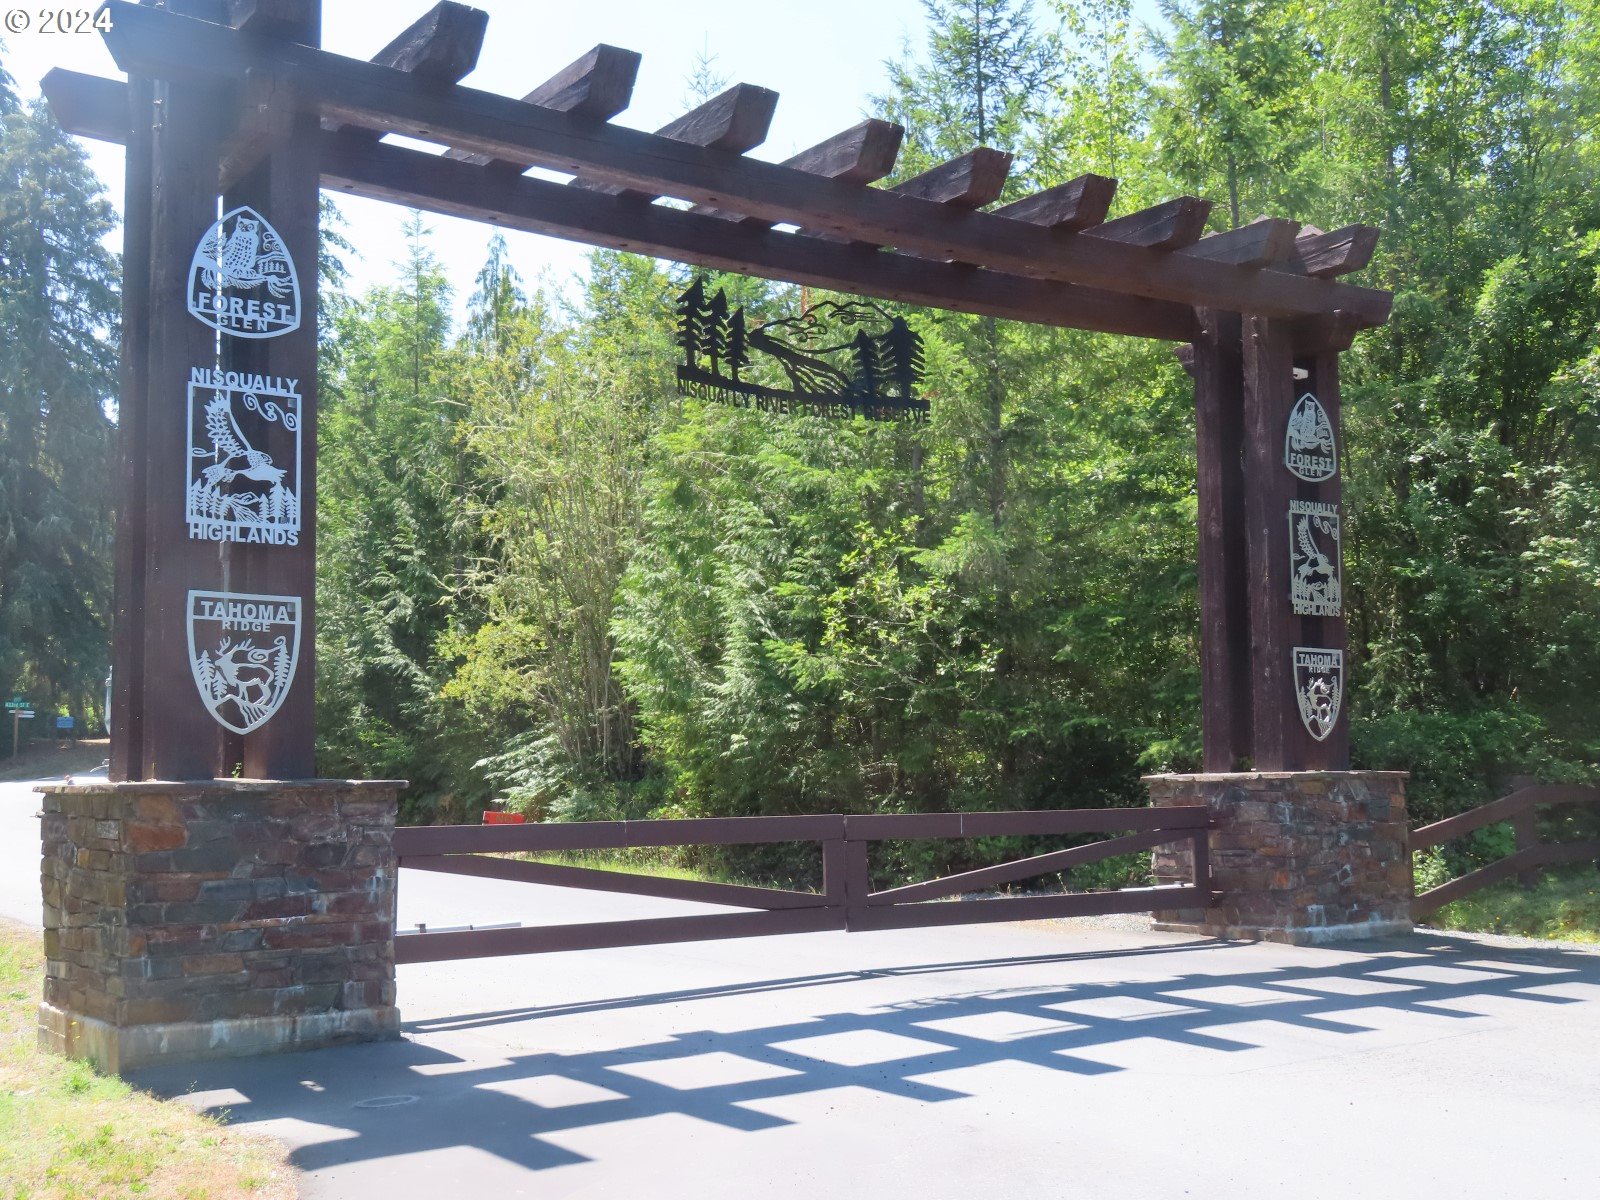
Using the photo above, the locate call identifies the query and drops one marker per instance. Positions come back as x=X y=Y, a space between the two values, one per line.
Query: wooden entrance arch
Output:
x=234 y=118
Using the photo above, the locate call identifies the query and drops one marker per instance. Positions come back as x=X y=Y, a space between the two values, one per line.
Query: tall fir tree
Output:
x=58 y=322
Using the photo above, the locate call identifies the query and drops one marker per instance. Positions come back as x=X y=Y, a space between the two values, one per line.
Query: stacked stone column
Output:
x=217 y=918
x=1304 y=857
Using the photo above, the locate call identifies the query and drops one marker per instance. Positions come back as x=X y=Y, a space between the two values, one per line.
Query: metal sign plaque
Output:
x=1315 y=559
x=237 y=491
x=1308 y=446
x=1318 y=688
x=836 y=359
x=242 y=280
x=243 y=651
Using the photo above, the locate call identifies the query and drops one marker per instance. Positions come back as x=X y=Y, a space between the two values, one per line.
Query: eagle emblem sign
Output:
x=1315 y=588
x=242 y=280
x=1308 y=448
x=1318 y=688
x=239 y=491
x=243 y=651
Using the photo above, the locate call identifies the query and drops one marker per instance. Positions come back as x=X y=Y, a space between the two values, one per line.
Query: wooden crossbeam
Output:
x=442 y=45
x=87 y=105
x=1327 y=255
x=1080 y=203
x=1169 y=226
x=595 y=87
x=734 y=121
x=1264 y=242
x=273 y=18
x=266 y=113
x=864 y=153
x=351 y=162
x=437 y=184
x=156 y=43
x=969 y=180
x=598 y=85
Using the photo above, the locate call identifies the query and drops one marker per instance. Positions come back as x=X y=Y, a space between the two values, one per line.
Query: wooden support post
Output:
x=1526 y=827
x=1273 y=653
x=285 y=188
x=160 y=726
x=174 y=363
x=1224 y=596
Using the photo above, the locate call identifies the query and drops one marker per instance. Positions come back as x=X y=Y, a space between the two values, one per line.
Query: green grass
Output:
x=1564 y=906
x=69 y=1133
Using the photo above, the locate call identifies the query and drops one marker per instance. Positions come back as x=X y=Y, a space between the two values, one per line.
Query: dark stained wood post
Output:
x=1273 y=646
x=1214 y=361
x=160 y=727
x=285 y=186
x=179 y=133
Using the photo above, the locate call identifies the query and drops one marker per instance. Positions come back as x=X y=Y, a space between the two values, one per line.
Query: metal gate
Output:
x=846 y=900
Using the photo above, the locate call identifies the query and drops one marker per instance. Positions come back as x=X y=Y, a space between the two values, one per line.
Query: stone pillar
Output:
x=217 y=918
x=1304 y=857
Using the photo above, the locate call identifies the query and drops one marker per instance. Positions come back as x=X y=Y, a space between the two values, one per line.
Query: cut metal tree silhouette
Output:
x=837 y=358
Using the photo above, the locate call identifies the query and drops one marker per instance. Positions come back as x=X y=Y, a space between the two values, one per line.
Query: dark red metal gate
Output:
x=846 y=900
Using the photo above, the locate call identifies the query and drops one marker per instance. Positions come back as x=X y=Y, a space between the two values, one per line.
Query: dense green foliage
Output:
x=58 y=316
x=538 y=558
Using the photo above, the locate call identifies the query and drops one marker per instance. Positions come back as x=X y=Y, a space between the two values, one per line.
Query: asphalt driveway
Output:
x=1052 y=1059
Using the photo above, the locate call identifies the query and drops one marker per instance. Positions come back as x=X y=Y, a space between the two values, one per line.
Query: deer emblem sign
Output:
x=243 y=680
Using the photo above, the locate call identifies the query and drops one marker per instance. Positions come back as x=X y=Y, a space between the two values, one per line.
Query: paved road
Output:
x=1023 y=1060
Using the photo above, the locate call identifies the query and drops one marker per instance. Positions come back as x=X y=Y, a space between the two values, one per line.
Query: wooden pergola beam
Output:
x=1080 y=203
x=969 y=180
x=864 y=153
x=442 y=45
x=733 y=121
x=1264 y=242
x=94 y=107
x=617 y=222
x=1170 y=225
x=163 y=44
x=595 y=87
x=1327 y=255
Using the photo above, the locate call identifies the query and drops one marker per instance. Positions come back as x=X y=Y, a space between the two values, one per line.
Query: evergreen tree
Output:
x=58 y=322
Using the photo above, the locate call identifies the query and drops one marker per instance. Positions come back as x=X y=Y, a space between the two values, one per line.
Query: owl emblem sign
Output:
x=243 y=651
x=1308 y=446
x=242 y=280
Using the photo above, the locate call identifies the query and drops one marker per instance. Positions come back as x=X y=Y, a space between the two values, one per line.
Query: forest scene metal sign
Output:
x=837 y=359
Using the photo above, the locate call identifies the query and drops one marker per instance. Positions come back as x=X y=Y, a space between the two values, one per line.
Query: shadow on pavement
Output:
x=414 y=1095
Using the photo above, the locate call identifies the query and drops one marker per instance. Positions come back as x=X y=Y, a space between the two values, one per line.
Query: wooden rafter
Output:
x=93 y=108
x=864 y=153
x=1264 y=242
x=969 y=180
x=595 y=87
x=1080 y=203
x=159 y=43
x=1167 y=226
x=440 y=47
x=735 y=120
